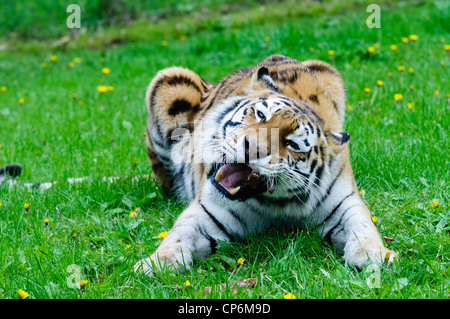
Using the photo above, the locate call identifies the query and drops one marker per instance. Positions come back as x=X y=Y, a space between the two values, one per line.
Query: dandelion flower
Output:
x=46 y=221
x=290 y=296
x=436 y=92
x=77 y=60
x=72 y=64
x=132 y=214
x=374 y=219
x=312 y=50
x=410 y=105
x=127 y=246
x=267 y=39
x=164 y=43
x=398 y=97
x=43 y=65
x=21 y=100
x=0 y=202
x=102 y=88
x=162 y=235
x=435 y=204
x=106 y=70
x=187 y=283
x=447 y=47
x=410 y=70
x=389 y=74
x=366 y=90
x=53 y=58
x=349 y=107
x=387 y=256
x=3 y=89
x=26 y=206
x=22 y=294
x=240 y=261
x=83 y=283
x=411 y=87
x=183 y=38
x=110 y=88
x=362 y=192
x=380 y=83
x=401 y=68
x=376 y=45
x=413 y=37
x=405 y=40
x=371 y=49
x=74 y=95
x=393 y=47
x=331 y=52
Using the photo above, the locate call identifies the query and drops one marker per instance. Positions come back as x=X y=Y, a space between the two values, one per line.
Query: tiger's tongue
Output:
x=230 y=176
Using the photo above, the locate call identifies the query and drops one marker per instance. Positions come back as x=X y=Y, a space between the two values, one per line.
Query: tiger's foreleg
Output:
x=354 y=235
x=194 y=234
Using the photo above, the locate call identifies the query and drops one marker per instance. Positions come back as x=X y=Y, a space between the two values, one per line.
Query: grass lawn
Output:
x=66 y=128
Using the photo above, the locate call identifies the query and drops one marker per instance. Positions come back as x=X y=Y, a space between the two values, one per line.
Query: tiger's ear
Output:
x=261 y=81
x=337 y=142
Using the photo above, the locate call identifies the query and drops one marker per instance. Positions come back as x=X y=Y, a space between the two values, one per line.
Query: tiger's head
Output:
x=265 y=142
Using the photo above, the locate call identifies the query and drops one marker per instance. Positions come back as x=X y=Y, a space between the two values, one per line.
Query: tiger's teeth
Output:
x=218 y=174
x=234 y=190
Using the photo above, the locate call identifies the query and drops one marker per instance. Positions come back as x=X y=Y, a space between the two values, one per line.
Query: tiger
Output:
x=205 y=145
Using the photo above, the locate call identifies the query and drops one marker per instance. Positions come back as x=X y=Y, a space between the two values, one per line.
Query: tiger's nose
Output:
x=253 y=150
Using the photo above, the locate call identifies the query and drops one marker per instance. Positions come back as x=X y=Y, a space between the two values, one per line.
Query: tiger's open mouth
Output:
x=240 y=181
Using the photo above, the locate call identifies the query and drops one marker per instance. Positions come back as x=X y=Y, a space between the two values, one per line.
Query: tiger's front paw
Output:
x=362 y=255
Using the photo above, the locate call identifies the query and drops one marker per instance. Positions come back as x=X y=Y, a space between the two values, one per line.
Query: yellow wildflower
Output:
x=376 y=45
x=366 y=90
x=83 y=283
x=410 y=70
x=132 y=214
x=187 y=283
x=447 y=47
x=53 y=58
x=43 y=65
x=380 y=83
x=106 y=70
x=371 y=49
x=183 y=38
x=72 y=64
x=0 y=202
x=405 y=40
x=331 y=52
x=164 y=43
x=447 y=96
x=349 y=107
x=411 y=87
x=267 y=39
x=46 y=221
x=362 y=192
x=435 y=204
x=413 y=37
x=77 y=60
x=240 y=261
x=21 y=100
x=312 y=49
x=394 y=47
x=3 y=88
x=290 y=296
x=387 y=256
x=162 y=235
x=127 y=246
x=398 y=97
x=410 y=105
x=26 y=206
x=436 y=92
x=389 y=74
x=374 y=219
x=22 y=294
x=110 y=88
x=401 y=68
x=74 y=95
x=102 y=88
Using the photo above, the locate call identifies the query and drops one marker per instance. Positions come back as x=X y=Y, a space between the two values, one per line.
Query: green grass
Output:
x=399 y=156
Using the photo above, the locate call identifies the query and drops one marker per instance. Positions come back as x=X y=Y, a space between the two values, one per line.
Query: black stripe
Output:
x=218 y=224
x=330 y=232
x=181 y=79
x=330 y=187
x=212 y=241
x=337 y=207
